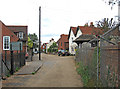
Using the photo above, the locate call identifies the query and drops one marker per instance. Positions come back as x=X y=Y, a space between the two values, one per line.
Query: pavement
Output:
x=57 y=71
x=31 y=67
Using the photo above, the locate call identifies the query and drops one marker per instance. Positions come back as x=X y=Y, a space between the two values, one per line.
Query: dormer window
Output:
x=21 y=35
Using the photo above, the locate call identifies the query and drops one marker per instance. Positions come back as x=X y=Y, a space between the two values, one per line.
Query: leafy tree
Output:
x=34 y=38
x=53 y=48
x=30 y=43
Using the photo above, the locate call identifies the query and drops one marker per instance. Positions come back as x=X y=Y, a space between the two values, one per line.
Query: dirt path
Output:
x=55 y=72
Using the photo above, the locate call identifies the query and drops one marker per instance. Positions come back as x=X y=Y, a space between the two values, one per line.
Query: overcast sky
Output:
x=57 y=15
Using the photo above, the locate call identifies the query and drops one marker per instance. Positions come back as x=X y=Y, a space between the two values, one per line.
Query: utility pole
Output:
x=119 y=13
x=40 y=33
x=119 y=44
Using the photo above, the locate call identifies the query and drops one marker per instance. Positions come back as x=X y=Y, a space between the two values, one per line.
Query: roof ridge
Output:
x=9 y=31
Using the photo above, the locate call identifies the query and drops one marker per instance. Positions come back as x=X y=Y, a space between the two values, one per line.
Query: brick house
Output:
x=22 y=33
x=63 y=42
x=43 y=47
x=6 y=37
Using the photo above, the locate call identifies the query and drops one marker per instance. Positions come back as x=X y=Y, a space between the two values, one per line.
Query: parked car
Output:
x=35 y=52
x=63 y=53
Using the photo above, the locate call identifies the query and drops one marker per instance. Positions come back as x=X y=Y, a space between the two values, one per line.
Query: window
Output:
x=6 y=42
x=61 y=43
x=72 y=39
x=21 y=35
x=72 y=49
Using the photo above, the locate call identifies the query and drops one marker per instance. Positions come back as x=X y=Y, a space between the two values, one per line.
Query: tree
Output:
x=34 y=38
x=53 y=48
x=30 y=43
x=111 y=2
x=105 y=24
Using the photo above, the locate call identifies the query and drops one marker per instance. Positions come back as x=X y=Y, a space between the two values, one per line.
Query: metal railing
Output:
x=10 y=64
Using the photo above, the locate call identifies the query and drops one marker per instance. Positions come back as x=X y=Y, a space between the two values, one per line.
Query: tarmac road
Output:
x=56 y=71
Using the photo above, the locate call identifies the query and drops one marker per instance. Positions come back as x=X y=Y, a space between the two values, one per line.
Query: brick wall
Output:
x=7 y=32
x=63 y=42
x=0 y=37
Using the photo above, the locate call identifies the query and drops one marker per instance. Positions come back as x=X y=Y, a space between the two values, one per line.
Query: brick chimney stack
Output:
x=91 y=24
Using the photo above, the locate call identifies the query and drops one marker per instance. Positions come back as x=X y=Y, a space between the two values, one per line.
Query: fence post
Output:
x=12 y=61
x=5 y=56
x=1 y=66
x=24 y=57
x=31 y=53
x=97 y=61
x=17 y=54
x=20 y=54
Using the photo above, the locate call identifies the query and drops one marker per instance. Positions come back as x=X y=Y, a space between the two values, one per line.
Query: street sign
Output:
x=16 y=45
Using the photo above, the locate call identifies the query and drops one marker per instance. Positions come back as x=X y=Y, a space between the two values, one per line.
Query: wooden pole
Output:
x=40 y=33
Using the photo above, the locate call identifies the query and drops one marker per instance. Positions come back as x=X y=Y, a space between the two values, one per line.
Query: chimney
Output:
x=86 y=24
x=91 y=24
x=52 y=39
x=62 y=35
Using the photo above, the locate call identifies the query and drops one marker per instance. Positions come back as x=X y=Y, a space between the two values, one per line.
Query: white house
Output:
x=76 y=32
x=49 y=44
x=71 y=37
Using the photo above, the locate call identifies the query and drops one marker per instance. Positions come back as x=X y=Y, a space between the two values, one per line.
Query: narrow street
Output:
x=55 y=72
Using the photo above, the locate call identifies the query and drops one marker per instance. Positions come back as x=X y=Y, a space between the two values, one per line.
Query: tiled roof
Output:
x=89 y=30
x=19 y=28
x=74 y=30
x=7 y=32
x=84 y=38
x=64 y=38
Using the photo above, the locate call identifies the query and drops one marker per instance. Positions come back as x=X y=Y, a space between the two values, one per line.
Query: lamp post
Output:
x=40 y=33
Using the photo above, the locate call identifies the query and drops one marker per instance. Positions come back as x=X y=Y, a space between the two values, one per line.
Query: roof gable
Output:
x=63 y=37
x=7 y=32
x=89 y=30
x=73 y=29
x=18 y=28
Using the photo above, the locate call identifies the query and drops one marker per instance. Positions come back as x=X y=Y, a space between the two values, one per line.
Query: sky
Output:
x=57 y=16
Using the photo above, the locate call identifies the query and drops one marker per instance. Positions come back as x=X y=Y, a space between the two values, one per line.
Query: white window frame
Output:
x=21 y=35
x=43 y=46
x=4 y=42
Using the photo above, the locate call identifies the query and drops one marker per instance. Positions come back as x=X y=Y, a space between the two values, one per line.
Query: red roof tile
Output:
x=7 y=32
x=74 y=30
x=89 y=30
